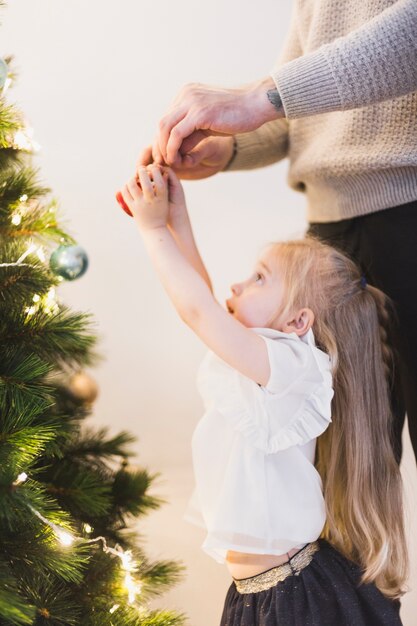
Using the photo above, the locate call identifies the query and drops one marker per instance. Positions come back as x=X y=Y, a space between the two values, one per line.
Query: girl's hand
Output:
x=176 y=200
x=146 y=197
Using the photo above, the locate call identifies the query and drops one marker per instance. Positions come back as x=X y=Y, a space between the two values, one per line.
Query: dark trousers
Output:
x=384 y=244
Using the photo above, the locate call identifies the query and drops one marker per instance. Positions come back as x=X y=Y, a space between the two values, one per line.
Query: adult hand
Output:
x=200 y=156
x=215 y=111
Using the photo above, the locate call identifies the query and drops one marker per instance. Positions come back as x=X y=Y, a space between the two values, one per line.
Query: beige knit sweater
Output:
x=348 y=82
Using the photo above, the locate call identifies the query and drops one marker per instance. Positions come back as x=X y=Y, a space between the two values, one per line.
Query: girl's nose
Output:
x=236 y=289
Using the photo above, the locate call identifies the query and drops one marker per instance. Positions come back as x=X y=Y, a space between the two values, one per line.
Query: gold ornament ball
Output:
x=83 y=387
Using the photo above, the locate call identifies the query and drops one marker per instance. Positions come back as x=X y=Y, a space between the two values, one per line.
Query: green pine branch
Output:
x=13 y=185
x=16 y=608
x=76 y=476
x=130 y=493
x=19 y=283
x=22 y=386
x=10 y=122
x=53 y=601
x=63 y=338
x=94 y=446
x=82 y=491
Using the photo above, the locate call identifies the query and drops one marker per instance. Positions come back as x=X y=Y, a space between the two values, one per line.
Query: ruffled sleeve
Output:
x=292 y=409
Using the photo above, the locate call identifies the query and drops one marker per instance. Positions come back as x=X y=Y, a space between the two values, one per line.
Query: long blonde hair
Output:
x=361 y=478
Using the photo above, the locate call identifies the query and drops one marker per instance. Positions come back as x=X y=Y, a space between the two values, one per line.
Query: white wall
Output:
x=94 y=78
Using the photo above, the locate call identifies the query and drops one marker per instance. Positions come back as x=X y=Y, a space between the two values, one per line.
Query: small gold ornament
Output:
x=83 y=387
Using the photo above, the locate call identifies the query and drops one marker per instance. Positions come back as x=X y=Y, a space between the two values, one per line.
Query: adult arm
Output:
x=202 y=154
x=373 y=63
x=202 y=111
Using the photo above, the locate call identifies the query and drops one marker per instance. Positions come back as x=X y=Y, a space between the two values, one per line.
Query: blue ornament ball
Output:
x=3 y=72
x=70 y=262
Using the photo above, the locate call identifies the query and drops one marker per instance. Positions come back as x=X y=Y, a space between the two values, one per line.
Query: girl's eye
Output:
x=258 y=277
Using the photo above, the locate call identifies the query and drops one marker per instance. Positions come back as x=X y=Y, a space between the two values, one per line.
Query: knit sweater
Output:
x=348 y=81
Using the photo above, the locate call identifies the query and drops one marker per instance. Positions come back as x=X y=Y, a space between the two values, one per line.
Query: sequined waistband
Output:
x=271 y=577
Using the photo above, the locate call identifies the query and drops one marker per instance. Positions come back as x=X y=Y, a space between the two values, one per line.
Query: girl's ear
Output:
x=300 y=323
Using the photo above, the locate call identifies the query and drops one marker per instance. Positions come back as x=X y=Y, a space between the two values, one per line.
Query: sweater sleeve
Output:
x=373 y=63
x=263 y=146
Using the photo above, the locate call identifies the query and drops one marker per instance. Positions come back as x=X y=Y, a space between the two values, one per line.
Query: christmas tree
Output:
x=67 y=493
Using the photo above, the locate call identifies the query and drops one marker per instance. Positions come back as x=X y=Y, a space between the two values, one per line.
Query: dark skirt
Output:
x=326 y=592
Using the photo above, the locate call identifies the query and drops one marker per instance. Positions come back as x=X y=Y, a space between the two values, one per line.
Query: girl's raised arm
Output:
x=187 y=289
x=180 y=226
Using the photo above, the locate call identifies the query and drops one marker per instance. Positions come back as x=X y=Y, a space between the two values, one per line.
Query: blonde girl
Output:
x=312 y=534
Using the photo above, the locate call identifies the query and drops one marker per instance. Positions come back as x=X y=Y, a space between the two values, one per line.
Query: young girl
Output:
x=298 y=353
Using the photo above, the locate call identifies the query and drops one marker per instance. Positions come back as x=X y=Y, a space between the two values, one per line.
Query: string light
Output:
x=65 y=538
x=23 y=140
x=20 y=479
x=29 y=250
x=22 y=209
x=50 y=302
x=6 y=86
x=132 y=586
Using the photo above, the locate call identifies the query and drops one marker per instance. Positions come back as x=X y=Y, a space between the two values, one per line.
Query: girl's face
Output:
x=255 y=301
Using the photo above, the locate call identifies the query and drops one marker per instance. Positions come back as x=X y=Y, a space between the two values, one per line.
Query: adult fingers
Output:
x=145 y=157
x=166 y=126
x=156 y=153
x=193 y=140
x=179 y=132
x=196 y=172
x=203 y=152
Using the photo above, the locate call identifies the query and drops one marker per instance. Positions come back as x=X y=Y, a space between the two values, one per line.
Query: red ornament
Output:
x=123 y=204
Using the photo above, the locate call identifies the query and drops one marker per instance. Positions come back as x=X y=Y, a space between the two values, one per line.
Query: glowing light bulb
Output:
x=16 y=219
x=36 y=297
x=114 y=608
x=20 y=479
x=64 y=538
x=23 y=140
x=7 y=85
x=132 y=588
x=126 y=559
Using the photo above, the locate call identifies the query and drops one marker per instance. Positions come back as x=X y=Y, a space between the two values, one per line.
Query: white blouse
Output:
x=257 y=490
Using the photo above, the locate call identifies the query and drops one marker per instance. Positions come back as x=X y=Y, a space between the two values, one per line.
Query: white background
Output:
x=94 y=79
